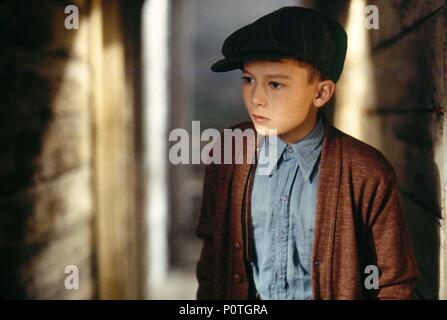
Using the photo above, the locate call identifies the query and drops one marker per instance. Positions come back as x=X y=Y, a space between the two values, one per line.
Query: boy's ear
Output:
x=323 y=92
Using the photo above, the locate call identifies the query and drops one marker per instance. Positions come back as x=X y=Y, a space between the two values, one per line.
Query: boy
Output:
x=325 y=222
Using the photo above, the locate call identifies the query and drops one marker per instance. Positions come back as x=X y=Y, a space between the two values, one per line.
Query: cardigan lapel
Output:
x=242 y=185
x=326 y=212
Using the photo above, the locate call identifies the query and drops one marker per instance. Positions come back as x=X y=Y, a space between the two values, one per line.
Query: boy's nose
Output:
x=258 y=98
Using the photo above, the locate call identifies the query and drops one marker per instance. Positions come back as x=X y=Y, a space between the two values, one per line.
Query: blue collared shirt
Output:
x=283 y=217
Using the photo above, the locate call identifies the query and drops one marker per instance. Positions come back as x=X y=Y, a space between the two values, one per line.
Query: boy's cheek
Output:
x=248 y=107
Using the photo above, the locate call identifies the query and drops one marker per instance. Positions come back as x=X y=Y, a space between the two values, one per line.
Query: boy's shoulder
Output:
x=361 y=157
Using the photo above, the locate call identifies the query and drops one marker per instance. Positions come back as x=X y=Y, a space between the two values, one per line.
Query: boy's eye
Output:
x=247 y=80
x=275 y=85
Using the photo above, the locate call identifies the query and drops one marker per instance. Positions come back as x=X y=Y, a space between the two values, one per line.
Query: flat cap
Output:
x=289 y=32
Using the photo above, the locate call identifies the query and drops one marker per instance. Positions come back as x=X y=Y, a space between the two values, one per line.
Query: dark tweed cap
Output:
x=289 y=32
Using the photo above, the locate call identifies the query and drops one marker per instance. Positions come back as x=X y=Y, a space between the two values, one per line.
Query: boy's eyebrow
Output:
x=276 y=76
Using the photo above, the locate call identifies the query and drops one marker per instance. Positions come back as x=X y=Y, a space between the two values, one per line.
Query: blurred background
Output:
x=85 y=115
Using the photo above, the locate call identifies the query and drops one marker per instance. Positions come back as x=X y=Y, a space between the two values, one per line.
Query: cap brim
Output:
x=229 y=64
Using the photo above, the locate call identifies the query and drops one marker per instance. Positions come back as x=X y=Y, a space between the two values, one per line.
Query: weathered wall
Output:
x=46 y=204
x=402 y=114
x=408 y=61
x=68 y=163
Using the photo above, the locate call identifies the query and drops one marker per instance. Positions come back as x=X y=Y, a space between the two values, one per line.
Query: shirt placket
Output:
x=281 y=233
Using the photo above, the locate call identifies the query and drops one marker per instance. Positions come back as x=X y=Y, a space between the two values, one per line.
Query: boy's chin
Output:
x=265 y=130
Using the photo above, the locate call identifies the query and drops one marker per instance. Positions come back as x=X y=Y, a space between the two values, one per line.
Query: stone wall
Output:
x=401 y=82
x=68 y=168
x=46 y=205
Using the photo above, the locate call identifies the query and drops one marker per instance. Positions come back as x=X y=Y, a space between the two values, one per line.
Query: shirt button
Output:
x=237 y=245
x=289 y=149
x=283 y=197
x=280 y=275
x=237 y=278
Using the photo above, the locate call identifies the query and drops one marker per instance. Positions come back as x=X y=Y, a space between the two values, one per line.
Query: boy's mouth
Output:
x=259 y=119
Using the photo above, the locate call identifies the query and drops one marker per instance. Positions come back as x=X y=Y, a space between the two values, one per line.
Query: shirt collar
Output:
x=306 y=151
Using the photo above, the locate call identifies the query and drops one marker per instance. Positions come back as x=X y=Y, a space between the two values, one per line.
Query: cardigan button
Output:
x=237 y=245
x=237 y=278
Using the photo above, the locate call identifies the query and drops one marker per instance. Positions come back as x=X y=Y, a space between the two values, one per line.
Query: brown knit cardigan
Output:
x=359 y=222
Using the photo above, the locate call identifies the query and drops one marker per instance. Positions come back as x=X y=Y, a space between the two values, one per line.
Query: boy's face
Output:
x=281 y=94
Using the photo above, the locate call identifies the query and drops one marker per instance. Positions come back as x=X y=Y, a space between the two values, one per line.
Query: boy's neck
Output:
x=298 y=133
